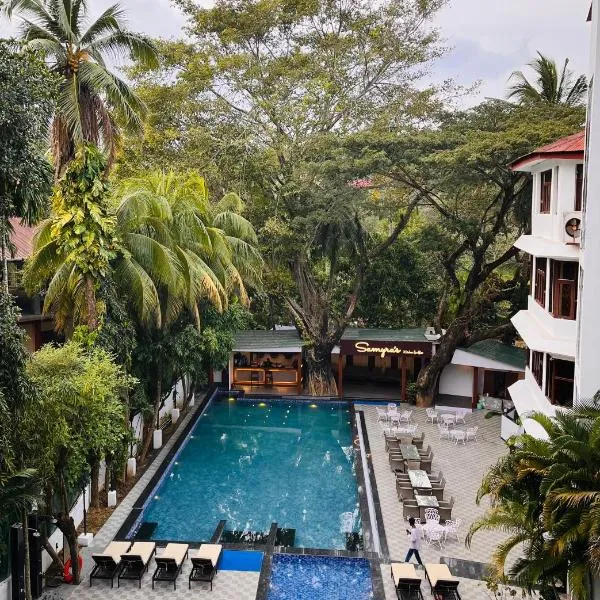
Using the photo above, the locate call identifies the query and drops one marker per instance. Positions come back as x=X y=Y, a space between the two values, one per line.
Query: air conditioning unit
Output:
x=572 y=227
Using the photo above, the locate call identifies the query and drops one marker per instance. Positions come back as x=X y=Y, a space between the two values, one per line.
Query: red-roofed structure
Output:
x=22 y=239
x=571 y=147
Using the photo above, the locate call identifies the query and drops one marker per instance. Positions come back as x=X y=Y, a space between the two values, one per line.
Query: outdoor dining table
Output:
x=409 y=452
x=424 y=502
x=419 y=479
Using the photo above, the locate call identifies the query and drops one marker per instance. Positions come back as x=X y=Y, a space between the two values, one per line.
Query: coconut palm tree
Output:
x=189 y=248
x=91 y=99
x=546 y=495
x=550 y=86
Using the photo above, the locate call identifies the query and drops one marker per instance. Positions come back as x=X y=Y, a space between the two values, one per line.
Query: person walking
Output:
x=415 y=542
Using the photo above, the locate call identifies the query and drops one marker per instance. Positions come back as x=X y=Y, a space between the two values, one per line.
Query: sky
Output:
x=488 y=38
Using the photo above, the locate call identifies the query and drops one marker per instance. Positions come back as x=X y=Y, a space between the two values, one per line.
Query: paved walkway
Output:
x=463 y=467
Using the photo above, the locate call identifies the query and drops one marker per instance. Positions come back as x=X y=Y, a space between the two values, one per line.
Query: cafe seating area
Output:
x=420 y=490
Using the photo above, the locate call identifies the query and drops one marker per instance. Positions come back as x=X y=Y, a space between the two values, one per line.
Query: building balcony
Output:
x=548 y=247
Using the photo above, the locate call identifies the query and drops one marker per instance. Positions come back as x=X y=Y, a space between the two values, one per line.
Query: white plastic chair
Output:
x=472 y=433
x=394 y=419
x=382 y=415
x=448 y=419
x=432 y=514
x=431 y=414
x=460 y=416
x=444 y=431
x=459 y=436
x=452 y=526
x=405 y=416
x=436 y=536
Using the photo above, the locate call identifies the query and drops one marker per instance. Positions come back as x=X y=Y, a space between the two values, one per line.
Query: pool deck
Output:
x=463 y=468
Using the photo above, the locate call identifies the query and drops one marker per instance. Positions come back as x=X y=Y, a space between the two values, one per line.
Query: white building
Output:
x=549 y=324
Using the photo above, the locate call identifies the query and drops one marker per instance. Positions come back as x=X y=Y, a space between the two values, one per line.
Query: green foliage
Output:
x=546 y=495
x=91 y=99
x=78 y=412
x=75 y=246
x=550 y=86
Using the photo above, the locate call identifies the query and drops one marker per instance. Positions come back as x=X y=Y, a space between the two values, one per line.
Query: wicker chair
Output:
x=410 y=509
x=418 y=441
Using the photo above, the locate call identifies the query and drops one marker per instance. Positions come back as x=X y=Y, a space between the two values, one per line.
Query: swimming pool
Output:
x=319 y=578
x=254 y=462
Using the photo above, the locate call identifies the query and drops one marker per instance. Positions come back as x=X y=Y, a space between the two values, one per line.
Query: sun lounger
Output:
x=136 y=561
x=406 y=581
x=106 y=564
x=204 y=563
x=169 y=563
x=444 y=586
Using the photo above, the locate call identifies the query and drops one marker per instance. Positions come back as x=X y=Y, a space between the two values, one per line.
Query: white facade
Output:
x=548 y=326
x=587 y=371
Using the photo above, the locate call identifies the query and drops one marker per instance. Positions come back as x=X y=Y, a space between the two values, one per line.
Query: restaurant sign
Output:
x=384 y=349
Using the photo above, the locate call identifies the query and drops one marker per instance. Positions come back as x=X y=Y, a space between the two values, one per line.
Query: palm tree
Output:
x=550 y=86
x=91 y=98
x=189 y=248
x=546 y=495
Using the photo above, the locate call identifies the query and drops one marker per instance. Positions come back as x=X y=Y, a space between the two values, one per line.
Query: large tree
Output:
x=91 y=100
x=26 y=106
x=282 y=83
x=477 y=208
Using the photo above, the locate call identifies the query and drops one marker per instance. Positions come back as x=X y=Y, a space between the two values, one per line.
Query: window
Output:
x=537 y=366
x=578 y=186
x=559 y=381
x=540 y=281
x=545 y=191
x=563 y=289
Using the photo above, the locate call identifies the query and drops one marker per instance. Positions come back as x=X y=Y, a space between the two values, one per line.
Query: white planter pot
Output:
x=157 y=439
x=131 y=467
x=112 y=498
x=175 y=415
x=191 y=402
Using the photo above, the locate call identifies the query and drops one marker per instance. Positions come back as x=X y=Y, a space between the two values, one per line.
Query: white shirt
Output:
x=415 y=538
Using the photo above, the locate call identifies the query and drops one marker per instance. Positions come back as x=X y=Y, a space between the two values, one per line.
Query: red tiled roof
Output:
x=570 y=147
x=22 y=238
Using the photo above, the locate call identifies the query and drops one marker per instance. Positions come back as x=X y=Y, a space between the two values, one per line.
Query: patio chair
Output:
x=107 y=563
x=452 y=527
x=382 y=415
x=402 y=477
x=410 y=509
x=445 y=509
x=461 y=415
x=431 y=415
x=418 y=441
x=406 y=440
x=413 y=465
x=135 y=562
x=472 y=433
x=444 y=586
x=170 y=563
x=406 y=581
x=397 y=462
x=459 y=436
x=436 y=478
x=426 y=463
x=393 y=445
x=405 y=492
x=432 y=514
x=405 y=416
x=437 y=489
x=204 y=564
x=444 y=431
x=426 y=452
x=392 y=408
x=436 y=536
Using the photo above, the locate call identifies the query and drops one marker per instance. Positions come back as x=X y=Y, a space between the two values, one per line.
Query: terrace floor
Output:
x=463 y=467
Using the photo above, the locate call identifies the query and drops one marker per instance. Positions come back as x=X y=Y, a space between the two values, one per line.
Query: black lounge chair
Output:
x=169 y=563
x=204 y=564
x=106 y=565
x=136 y=562
x=406 y=582
x=444 y=586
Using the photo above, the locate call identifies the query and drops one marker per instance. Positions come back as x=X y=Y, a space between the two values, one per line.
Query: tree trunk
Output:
x=27 y=561
x=67 y=526
x=150 y=426
x=58 y=563
x=94 y=484
x=320 y=379
x=429 y=376
x=90 y=302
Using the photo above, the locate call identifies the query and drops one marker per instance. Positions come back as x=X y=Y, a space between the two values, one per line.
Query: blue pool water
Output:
x=240 y=560
x=319 y=578
x=257 y=462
